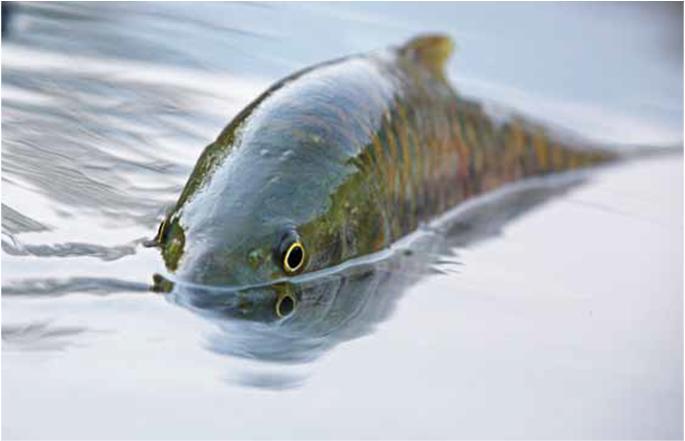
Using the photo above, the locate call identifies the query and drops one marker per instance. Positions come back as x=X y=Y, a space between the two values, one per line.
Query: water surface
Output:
x=552 y=309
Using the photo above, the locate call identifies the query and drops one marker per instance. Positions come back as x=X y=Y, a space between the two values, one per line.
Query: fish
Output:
x=341 y=160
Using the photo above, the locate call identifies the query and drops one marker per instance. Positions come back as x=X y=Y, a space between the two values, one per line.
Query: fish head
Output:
x=233 y=246
x=281 y=192
x=255 y=217
x=233 y=268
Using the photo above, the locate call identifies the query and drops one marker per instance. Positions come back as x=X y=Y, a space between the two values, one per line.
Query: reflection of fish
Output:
x=340 y=161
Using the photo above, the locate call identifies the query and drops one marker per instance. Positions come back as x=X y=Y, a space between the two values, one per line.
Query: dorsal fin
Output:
x=431 y=50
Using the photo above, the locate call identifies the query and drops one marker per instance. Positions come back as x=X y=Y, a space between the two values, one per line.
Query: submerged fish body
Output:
x=341 y=160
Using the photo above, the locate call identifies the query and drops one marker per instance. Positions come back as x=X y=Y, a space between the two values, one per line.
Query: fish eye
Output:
x=285 y=305
x=293 y=257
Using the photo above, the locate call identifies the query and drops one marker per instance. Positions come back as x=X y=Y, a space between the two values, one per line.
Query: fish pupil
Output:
x=295 y=257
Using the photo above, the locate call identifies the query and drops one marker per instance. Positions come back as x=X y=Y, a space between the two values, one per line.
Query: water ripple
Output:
x=14 y=247
x=39 y=336
x=14 y=222
x=53 y=287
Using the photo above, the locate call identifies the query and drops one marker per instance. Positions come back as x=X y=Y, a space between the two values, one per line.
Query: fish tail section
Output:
x=534 y=152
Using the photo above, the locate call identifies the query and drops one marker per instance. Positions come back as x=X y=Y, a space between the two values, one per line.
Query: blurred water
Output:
x=549 y=310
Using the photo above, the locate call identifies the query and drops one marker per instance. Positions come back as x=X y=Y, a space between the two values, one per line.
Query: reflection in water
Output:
x=297 y=322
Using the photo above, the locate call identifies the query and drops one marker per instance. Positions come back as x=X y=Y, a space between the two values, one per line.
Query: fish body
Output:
x=341 y=160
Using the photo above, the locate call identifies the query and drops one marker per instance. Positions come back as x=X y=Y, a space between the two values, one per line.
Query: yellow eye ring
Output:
x=285 y=305
x=293 y=258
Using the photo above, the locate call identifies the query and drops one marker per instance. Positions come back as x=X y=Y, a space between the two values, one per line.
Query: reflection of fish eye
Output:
x=293 y=258
x=285 y=305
